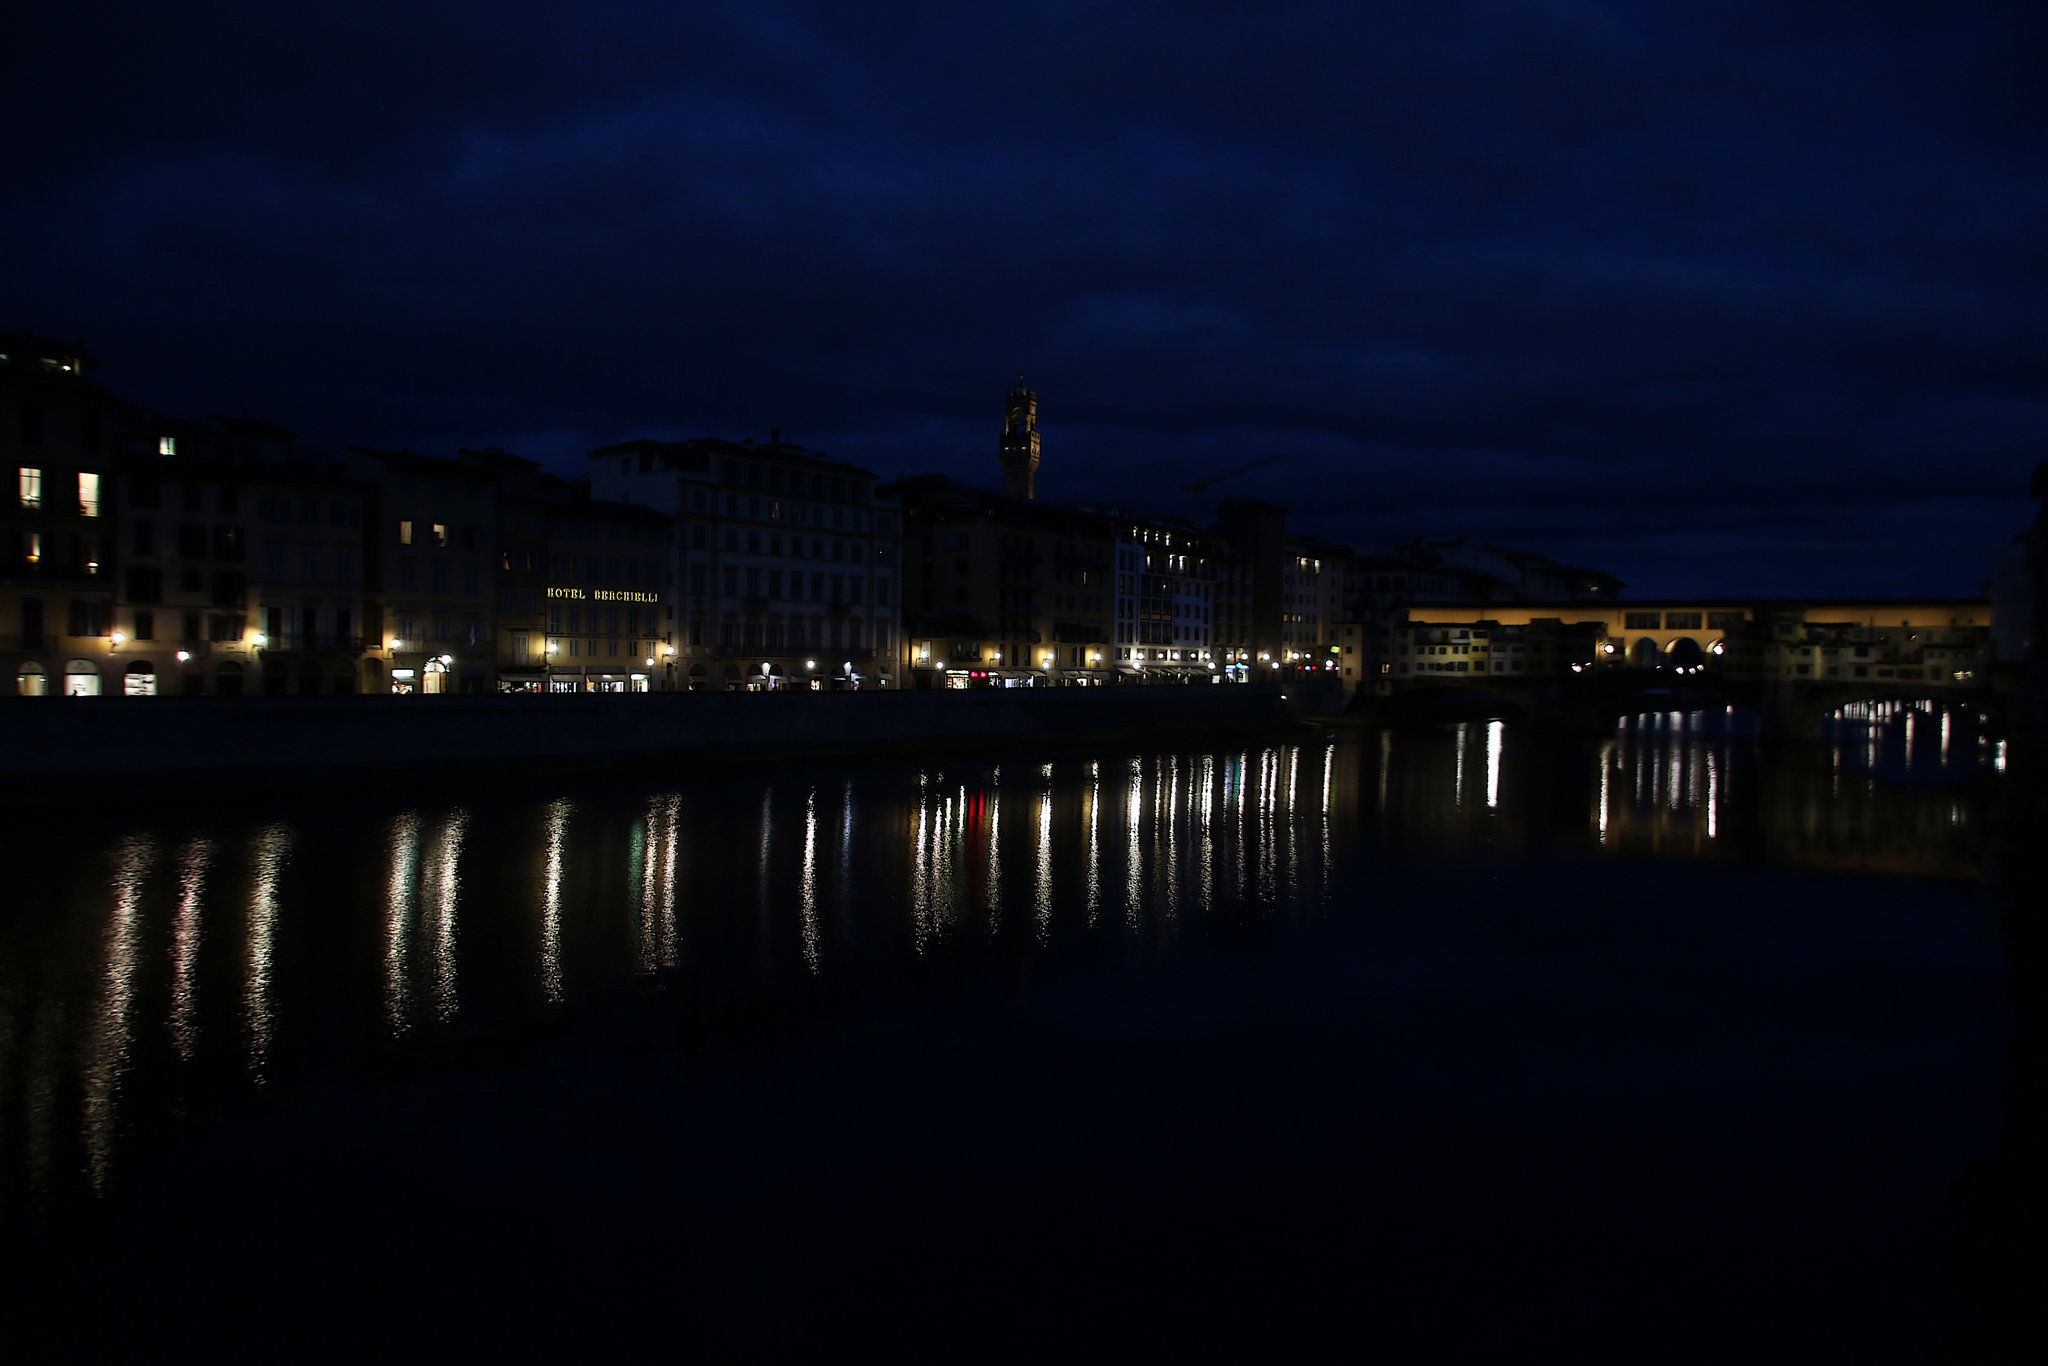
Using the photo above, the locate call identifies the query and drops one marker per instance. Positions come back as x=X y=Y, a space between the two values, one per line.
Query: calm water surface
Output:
x=170 y=977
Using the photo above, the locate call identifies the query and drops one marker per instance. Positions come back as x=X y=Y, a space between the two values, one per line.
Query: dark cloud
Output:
x=1747 y=297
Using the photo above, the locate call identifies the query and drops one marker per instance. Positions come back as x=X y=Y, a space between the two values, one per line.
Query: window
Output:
x=31 y=488
x=88 y=494
x=345 y=564
x=32 y=546
x=1681 y=621
x=145 y=626
x=31 y=424
x=227 y=544
x=167 y=445
x=88 y=617
x=1641 y=621
x=405 y=533
x=440 y=536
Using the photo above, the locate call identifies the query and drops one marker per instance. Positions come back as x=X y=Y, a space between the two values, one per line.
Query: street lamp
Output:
x=118 y=638
x=259 y=640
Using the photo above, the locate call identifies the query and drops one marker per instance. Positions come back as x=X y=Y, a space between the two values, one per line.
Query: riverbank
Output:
x=60 y=749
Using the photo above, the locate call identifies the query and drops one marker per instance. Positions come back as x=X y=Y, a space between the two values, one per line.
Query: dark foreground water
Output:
x=1453 y=1042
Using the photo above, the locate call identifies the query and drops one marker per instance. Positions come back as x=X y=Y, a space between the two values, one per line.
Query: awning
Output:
x=519 y=676
x=1129 y=669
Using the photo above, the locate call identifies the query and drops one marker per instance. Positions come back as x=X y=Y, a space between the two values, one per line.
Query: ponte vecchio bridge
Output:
x=1810 y=656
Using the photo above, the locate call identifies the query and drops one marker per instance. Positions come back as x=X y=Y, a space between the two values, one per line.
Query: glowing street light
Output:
x=259 y=640
x=184 y=656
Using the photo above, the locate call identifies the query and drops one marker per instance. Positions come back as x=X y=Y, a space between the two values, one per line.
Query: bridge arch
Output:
x=1645 y=654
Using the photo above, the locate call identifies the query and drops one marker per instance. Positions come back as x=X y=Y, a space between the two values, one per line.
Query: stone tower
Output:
x=1020 y=442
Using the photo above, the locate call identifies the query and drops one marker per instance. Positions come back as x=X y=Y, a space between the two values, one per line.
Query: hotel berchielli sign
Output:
x=604 y=595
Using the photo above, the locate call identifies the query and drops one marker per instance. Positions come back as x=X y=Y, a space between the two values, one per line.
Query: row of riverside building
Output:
x=228 y=557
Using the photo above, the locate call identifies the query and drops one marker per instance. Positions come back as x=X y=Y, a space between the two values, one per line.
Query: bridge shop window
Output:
x=1725 y=621
x=1641 y=621
x=1681 y=621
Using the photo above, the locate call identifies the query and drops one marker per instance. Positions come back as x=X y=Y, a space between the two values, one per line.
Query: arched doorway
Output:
x=373 y=676
x=227 y=680
x=732 y=678
x=139 y=680
x=700 y=678
x=434 y=678
x=1684 y=654
x=31 y=681
x=1644 y=654
x=81 y=678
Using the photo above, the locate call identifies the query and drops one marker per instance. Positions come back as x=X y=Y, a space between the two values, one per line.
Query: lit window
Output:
x=405 y=533
x=31 y=488
x=167 y=445
x=88 y=495
x=440 y=534
x=32 y=546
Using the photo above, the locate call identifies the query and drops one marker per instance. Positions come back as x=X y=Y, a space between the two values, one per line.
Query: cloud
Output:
x=1630 y=280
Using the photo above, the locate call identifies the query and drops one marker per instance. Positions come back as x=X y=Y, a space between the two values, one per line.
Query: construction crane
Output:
x=1194 y=490
x=1201 y=484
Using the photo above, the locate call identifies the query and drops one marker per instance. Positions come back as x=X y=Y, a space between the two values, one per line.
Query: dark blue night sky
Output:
x=1749 y=297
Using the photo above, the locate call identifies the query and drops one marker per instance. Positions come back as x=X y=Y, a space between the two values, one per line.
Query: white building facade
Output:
x=786 y=565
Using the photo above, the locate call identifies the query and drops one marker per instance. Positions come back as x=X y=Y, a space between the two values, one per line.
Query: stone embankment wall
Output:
x=91 y=742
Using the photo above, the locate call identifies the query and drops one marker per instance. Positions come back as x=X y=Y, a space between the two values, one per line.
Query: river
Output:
x=1469 y=1037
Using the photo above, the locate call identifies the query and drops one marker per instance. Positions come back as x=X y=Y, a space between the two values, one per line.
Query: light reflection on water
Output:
x=185 y=932
x=805 y=882
x=273 y=847
x=107 y=1050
